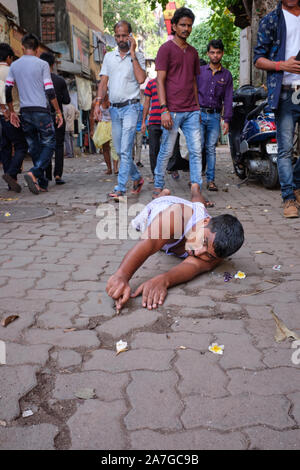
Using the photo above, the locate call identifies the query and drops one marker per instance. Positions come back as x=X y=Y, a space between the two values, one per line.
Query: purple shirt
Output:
x=182 y=66
x=215 y=89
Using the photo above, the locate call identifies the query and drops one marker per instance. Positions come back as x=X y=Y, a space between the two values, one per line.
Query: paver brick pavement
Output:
x=168 y=391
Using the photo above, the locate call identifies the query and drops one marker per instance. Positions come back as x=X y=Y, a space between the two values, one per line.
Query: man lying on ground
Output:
x=180 y=227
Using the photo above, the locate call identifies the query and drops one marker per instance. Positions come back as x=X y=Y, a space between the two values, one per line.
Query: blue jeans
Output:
x=210 y=131
x=286 y=117
x=124 y=121
x=189 y=122
x=40 y=135
x=12 y=136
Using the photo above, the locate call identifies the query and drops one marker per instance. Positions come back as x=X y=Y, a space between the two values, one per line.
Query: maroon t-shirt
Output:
x=182 y=66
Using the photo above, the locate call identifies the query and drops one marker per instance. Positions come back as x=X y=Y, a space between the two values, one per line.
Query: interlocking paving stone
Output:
x=37 y=437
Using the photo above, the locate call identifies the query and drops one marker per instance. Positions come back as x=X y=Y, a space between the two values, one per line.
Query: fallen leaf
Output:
x=182 y=347
x=3 y=423
x=6 y=321
x=8 y=199
x=282 y=332
x=7 y=214
x=68 y=330
x=85 y=393
x=260 y=252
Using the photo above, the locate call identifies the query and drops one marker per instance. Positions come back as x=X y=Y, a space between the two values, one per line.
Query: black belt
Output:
x=125 y=103
x=210 y=110
x=290 y=87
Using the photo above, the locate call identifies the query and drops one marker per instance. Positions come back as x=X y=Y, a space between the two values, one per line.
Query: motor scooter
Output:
x=252 y=136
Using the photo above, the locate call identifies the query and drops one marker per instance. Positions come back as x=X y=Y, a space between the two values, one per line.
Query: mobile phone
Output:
x=128 y=42
x=298 y=56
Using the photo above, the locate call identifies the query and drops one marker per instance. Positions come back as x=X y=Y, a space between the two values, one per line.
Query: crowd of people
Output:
x=189 y=97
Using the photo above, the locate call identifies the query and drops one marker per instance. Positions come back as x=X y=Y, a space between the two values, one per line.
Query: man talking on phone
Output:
x=278 y=44
x=122 y=73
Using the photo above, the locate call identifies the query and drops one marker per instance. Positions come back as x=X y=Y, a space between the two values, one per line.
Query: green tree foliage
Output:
x=203 y=33
x=140 y=16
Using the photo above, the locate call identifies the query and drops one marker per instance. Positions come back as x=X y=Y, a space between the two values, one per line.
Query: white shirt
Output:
x=292 y=44
x=122 y=84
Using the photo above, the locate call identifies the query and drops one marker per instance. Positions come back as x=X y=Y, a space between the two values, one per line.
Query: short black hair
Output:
x=5 y=51
x=229 y=234
x=30 y=41
x=182 y=13
x=123 y=23
x=216 y=44
x=48 y=57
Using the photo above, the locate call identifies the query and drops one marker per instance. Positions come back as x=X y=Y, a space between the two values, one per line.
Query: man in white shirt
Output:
x=277 y=47
x=124 y=71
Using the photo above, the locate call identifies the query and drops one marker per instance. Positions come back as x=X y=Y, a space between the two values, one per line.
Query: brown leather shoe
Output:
x=290 y=209
x=297 y=195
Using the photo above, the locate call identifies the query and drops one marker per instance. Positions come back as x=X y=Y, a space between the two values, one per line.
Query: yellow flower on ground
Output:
x=240 y=275
x=216 y=348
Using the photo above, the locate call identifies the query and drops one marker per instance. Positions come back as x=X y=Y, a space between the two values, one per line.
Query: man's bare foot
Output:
x=108 y=172
x=165 y=192
x=157 y=192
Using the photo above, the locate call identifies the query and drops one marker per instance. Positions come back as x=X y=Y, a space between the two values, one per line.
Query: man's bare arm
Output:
x=155 y=290
x=102 y=92
x=291 y=65
x=146 y=108
x=166 y=120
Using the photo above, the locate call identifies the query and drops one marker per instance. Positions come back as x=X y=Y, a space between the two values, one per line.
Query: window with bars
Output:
x=48 y=32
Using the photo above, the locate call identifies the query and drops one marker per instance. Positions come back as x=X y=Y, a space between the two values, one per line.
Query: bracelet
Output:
x=58 y=114
x=163 y=106
x=98 y=98
x=133 y=58
x=277 y=66
x=164 y=112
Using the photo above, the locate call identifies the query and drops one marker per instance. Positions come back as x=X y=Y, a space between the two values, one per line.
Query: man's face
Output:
x=215 y=55
x=183 y=28
x=200 y=244
x=290 y=3
x=121 y=37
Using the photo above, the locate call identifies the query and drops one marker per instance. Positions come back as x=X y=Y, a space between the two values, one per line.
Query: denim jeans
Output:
x=189 y=122
x=12 y=136
x=40 y=135
x=69 y=145
x=210 y=131
x=286 y=116
x=59 y=151
x=124 y=121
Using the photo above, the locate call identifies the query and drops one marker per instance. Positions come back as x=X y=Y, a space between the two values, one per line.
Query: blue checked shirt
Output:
x=271 y=42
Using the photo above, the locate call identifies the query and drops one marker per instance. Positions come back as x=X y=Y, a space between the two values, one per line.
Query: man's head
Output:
x=6 y=53
x=182 y=22
x=30 y=43
x=216 y=238
x=48 y=57
x=215 y=51
x=122 y=30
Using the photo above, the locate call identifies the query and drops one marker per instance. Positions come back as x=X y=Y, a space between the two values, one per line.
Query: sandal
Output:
x=32 y=185
x=211 y=186
x=156 y=193
x=137 y=186
x=209 y=204
x=116 y=196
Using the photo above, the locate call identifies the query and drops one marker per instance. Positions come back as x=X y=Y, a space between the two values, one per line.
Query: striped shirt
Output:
x=151 y=91
x=32 y=77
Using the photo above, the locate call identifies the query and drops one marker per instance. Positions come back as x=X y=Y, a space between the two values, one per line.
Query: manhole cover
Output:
x=12 y=213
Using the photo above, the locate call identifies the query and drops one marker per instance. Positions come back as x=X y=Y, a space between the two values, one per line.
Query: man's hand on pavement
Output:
x=118 y=288
x=153 y=291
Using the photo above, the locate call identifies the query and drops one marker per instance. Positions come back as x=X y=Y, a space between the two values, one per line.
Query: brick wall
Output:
x=48 y=33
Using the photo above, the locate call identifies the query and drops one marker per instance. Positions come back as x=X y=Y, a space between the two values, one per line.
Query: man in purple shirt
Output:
x=215 y=90
x=177 y=65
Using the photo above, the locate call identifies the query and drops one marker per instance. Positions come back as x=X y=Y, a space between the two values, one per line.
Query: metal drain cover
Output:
x=14 y=213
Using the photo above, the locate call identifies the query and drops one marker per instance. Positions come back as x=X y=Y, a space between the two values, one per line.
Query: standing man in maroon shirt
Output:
x=177 y=65
x=215 y=89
